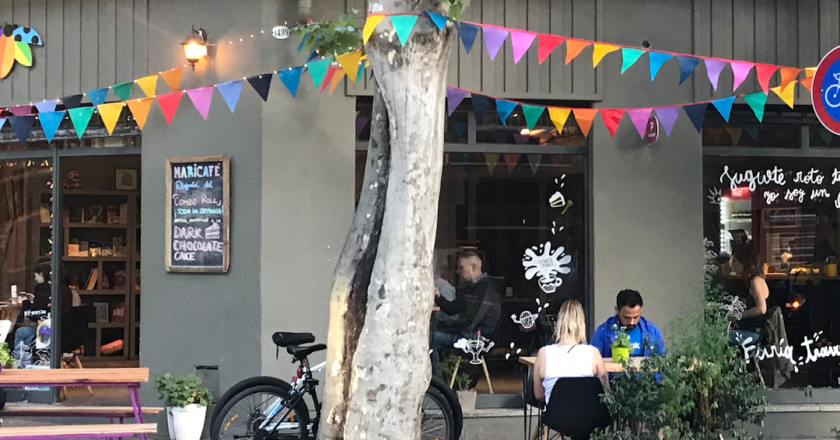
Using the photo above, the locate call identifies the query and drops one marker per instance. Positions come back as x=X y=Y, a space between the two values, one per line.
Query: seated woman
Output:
x=570 y=356
x=752 y=290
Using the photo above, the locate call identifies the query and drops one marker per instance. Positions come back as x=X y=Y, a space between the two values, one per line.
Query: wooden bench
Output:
x=77 y=431
x=111 y=412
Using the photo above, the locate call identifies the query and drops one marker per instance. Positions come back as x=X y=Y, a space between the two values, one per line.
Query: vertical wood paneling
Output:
x=492 y=71
x=20 y=74
x=703 y=37
x=139 y=46
x=561 y=24
x=539 y=80
x=808 y=41
x=721 y=44
x=829 y=25
x=72 y=64
x=38 y=72
x=53 y=51
x=106 y=53
x=469 y=64
x=516 y=75
x=124 y=41
x=585 y=13
x=89 y=45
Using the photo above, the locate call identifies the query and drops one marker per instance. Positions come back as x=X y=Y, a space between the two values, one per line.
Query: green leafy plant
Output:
x=447 y=368
x=5 y=355
x=180 y=391
x=332 y=36
x=456 y=8
x=622 y=339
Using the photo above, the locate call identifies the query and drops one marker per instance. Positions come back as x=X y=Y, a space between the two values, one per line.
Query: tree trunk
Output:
x=378 y=358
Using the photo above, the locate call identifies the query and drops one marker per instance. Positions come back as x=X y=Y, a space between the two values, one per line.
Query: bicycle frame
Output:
x=301 y=386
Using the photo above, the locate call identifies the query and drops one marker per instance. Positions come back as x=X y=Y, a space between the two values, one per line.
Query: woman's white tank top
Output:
x=566 y=361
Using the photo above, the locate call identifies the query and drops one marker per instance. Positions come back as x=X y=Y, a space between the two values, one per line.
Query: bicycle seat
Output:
x=285 y=339
x=300 y=352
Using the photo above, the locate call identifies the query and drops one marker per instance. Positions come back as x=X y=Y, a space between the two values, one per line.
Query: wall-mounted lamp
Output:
x=195 y=46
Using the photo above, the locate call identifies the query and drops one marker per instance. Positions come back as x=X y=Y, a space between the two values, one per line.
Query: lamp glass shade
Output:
x=194 y=51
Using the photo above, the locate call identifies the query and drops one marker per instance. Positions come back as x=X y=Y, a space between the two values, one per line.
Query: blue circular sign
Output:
x=825 y=91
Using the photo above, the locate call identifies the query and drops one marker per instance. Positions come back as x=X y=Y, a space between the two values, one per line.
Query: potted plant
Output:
x=186 y=399
x=621 y=345
x=461 y=385
x=6 y=360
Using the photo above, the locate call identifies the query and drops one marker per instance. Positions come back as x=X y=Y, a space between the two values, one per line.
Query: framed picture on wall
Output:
x=126 y=179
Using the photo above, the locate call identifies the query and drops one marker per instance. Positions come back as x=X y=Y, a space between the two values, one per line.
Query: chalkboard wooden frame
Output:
x=170 y=161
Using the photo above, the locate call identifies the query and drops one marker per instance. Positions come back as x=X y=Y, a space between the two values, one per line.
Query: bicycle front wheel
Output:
x=243 y=416
x=437 y=421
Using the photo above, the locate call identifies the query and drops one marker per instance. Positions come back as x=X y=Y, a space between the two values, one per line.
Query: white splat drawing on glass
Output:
x=715 y=195
x=475 y=347
x=526 y=320
x=547 y=265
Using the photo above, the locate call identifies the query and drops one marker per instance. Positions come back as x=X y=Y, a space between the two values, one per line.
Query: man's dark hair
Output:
x=628 y=298
x=469 y=254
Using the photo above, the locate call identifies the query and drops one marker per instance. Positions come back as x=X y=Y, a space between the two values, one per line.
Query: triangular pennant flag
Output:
x=640 y=118
x=50 y=122
x=350 y=63
x=810 y=72
x=336 y=78
x=97 y=96
x=230 y=91
x=45 y=106
x=480 y=104
x=501 y=136
x=148 y=85
x=370 y=26
x=302 y=43
x=317 y=69
x=521 y=138
x=172 y=78
x=403 y=25
x=123 y=91
x=656 y=60
x=521 y=42
x=494 y=38
x=559 y=116
x=630 y=56
x=110 y=113
x=612 y=117
x=740 y=70
x=825 y=135
x=734 y=134
x=715 y=133
x=785 y=94
x=21 y=110
x=807 y=82
x=696 y=114
x=504 y=109
x=72 y=101
x=361 y=74
x=140 y=110
x=169 y=104
x=667 y=117
x=584 y=118
x=534 y=160
x=687 y=66
x=361 y=123
x=789 y=75
x=460 y=128
x=261 y=84
x=468 y=32
x=532 y=114
x=574 y=48
x=439 y=20
x=291 y=79
x=713 y=69
x=763 y=72
x=328 y=78
x=724 y=106
x=80 y=117
x=511 y=160
x=2 y=122
x=546 y=44
x=201 y=99
x=22 y=126
x=492 y=159
x=599 y=51
x=752 y=130
x=453 y=99
x=756 y=102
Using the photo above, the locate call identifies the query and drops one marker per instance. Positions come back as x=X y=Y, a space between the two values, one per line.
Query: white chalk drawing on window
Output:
x=710 y=265
x=526 y=320
x=715 y=195
x=540 y=261
x=475 y=347
x=558 y=200
x=555 y=230
x=815 y=349
x=734 y=307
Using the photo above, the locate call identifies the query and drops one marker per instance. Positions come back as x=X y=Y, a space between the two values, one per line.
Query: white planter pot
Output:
x=188 y=421
x=170 y=423
x=465 y=398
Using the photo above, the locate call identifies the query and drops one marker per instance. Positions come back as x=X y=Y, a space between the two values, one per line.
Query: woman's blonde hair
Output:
x=571 y=324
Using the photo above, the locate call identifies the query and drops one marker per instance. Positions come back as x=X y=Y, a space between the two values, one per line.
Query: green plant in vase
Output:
x=621 y=345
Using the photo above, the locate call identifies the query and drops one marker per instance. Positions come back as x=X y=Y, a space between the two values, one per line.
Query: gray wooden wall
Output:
x=87 y=44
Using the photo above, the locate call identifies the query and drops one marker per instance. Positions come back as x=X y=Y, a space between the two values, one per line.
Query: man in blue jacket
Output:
x=644 y=335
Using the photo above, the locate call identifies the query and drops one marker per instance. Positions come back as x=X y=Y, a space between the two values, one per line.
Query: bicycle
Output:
x=269 y=408
x=836 y=88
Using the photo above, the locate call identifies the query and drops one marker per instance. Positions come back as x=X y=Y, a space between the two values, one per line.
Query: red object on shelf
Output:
x=740 y=193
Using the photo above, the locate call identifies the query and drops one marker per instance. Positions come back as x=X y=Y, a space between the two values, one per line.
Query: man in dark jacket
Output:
x=477 y=304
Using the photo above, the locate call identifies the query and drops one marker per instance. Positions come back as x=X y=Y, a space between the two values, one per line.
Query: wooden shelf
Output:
x=98 y=192
x=112 y=292
x=96 y=225
x=107 y=324
x=96 y=259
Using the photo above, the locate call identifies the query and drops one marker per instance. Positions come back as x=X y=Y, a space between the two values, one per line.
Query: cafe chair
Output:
x=5 y=328
x=575 y=409
x=73 y=321
x=531 y=403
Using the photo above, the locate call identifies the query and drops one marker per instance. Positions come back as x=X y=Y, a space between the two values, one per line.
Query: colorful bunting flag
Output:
x=361 y=123
x=317 y=69
x=656 y=60
x=810 y=71
x=337 y=76
x=640 y=118
x=123 y=90
x=807 y=82
x=230 y=91
x=110 y=113
x=261 y=84
x=169 y=104
x=521 y=139
x=532 y=114
x=468 y=33
x=696 y=114
x=21 y=110
x=740 y=70
x=140 y=110
x=370 y=26
x=491 y=159
x=584 y=118
x=574 y=48
x=302 y=43
x=789 y=75
x=148 y=85
x=350 y=63
x=667 y=117
x=494 y=38
x=734 y=134
x=756 y=102
x=361 y=74
x=480 y=104
x=291 y=79
x=97 y=96
x=327 y=78
x=786 y=93
x=715 y=133
x=172 y=78
x=460 y=128
x=504 y=108
x=687 y=66
x=763 y=72
x=403 y=25
x=201 y=99
x=454 y=97
x=2 y=122
x=752 y=130
x=599 y=51
x=49 y=122
x=546 y=44
x=439 y=20
x=713 y=69
x=45 y=106
x=511 y=160
x=612 y=117
x=629 y=56
x=534 y=160
x=724 y=106
x=22 y=126
x=521 y=42
x=72 y=101
x=80 y=117
x=559 y=116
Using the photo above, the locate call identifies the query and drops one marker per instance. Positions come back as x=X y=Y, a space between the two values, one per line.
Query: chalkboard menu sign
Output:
x=198 y=214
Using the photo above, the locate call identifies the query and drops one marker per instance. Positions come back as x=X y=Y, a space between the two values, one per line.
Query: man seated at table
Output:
x=477 y=304
x=644 y=335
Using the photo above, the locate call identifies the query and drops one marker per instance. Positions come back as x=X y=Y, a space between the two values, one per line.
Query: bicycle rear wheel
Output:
x=437 y=422
x=242 y=416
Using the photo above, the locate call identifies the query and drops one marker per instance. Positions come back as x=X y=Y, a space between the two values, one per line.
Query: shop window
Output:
x=125 y=134
x=743 y=130
x=456 y=126
x=490 y=130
